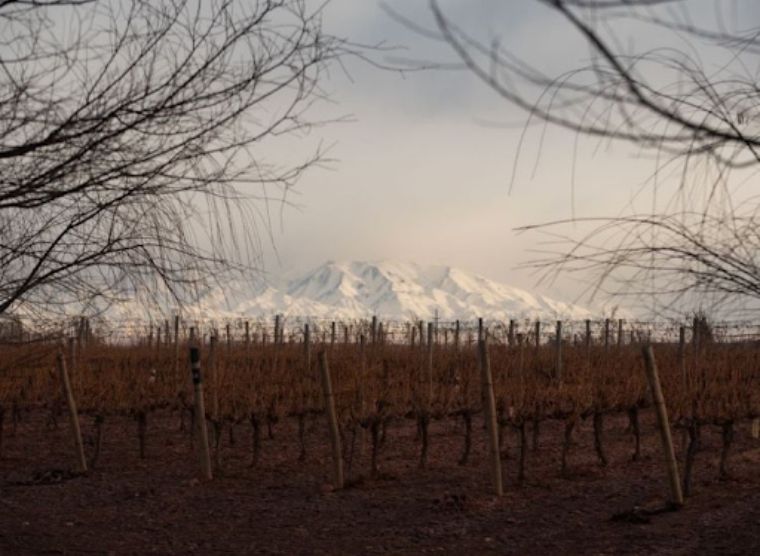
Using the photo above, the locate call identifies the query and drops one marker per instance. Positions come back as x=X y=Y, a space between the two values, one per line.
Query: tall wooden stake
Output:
x=489 y=405
x=606 y=335
x=76 y=432
x=332 y=422
x=176 y=344
x=430 y=365
x=664 y=425
x=200 y=412
x=558 y=353
x=620 y=334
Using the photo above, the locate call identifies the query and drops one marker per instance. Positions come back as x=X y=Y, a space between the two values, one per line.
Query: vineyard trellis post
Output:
x=72 y=350
x=676 y=494
x=588 y=339
x=332 y=420
x=489 y=406
x=176 y=343
x=620 y=334
x=430 y=365
x=307 y=348
x=213 y=373
x=76 y=431
x=558 y=353
x=200 y=412
x=606 y=335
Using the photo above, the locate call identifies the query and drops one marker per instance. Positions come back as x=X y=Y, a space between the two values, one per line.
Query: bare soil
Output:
x=157 y=505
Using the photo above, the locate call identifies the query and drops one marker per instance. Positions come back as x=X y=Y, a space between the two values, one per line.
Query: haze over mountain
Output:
x=388 y=289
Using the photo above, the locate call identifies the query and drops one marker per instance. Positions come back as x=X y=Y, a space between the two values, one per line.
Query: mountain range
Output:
x=388 y=289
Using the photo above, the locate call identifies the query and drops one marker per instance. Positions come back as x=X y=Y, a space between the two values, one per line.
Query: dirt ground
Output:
x=157 y=505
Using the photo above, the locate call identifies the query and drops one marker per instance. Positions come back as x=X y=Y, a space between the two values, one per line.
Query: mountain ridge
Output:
x=388 y=289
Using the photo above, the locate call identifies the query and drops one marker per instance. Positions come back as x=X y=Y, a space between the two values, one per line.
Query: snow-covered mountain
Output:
x=388 y=289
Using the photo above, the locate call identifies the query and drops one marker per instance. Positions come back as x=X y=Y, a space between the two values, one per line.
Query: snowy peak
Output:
x=397 y=290
x=356 y=290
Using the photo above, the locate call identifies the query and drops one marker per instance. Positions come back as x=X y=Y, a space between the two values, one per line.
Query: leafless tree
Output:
x=133 y=137
x=685 y=94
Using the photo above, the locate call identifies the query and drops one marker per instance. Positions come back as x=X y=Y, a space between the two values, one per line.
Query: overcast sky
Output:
x=421 y=175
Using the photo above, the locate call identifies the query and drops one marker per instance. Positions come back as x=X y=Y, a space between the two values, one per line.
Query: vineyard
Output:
x=370 y=383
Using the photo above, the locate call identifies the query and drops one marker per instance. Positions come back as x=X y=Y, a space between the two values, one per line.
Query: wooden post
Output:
x=457 y=332
x=606 y=335
x=247 y=335
x=373 y=330
x=558 y=353
x=332 y=422
x=76 y=432
x=754 y=430
x=72 y=368
x=489 y=405
x=588 y=337
x=664 y=426
x=430 y=364
x=277 y=336
x=228 y=332
x=176 y=344
x=620 y=334
x=682 y=352
x=307 y=347
x=213 y=380
x=538 y=335
x=200 y=412
x=480 y=329
x=332 y=333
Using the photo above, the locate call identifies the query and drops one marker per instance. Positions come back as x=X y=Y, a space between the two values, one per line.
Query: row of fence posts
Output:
x=486 y=380
x=335 y=440
x=378 y=334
